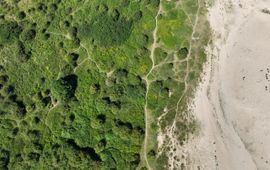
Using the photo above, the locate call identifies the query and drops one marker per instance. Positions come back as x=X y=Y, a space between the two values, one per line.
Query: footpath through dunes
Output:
x=232 y=103
x=177 y=56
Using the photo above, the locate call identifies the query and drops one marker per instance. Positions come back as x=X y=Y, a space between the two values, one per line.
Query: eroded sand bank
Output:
x=233 y=102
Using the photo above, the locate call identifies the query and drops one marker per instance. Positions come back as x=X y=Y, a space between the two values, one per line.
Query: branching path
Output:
x=88 y=58
x=148 y=82
x=187 y=68
x=171 y=130
x=172 y=140
x=68 y=37
x=149 y=79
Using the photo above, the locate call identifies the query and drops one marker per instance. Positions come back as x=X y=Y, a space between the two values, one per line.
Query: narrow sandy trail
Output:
x=146 y=110
x=232 y=103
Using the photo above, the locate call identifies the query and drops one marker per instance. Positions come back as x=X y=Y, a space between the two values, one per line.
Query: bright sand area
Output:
x=232 y=103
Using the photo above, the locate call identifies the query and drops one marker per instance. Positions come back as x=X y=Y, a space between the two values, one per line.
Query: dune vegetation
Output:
x=84 y=84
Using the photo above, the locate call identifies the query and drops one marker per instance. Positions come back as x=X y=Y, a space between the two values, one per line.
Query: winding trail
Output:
x=187 y=59
x=171 y=140
x=88 y=58
x=148 y=82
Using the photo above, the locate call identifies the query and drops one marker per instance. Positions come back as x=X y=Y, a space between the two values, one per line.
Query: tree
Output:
x=64 y=88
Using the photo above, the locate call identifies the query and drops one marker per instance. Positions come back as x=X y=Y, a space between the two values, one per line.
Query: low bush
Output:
x=9 y=31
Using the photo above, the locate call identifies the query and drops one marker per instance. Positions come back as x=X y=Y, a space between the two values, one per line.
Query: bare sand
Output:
x=232 y=104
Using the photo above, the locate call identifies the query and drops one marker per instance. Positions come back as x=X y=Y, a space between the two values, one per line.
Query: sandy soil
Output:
x=233 y=102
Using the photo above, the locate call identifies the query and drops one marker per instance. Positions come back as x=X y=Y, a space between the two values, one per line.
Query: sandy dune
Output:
x=233 y=102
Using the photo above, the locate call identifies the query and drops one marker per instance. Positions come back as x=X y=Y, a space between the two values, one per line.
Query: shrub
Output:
x=183 y=53
x=64 y=88
x=9 y=31
x=4 y=158
x=107 y=30
x=21 y=15
x=24 y=56
x=137 y=16
x=29 y=35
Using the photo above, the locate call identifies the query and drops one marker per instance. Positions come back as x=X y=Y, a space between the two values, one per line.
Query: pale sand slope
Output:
x=233 y=102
